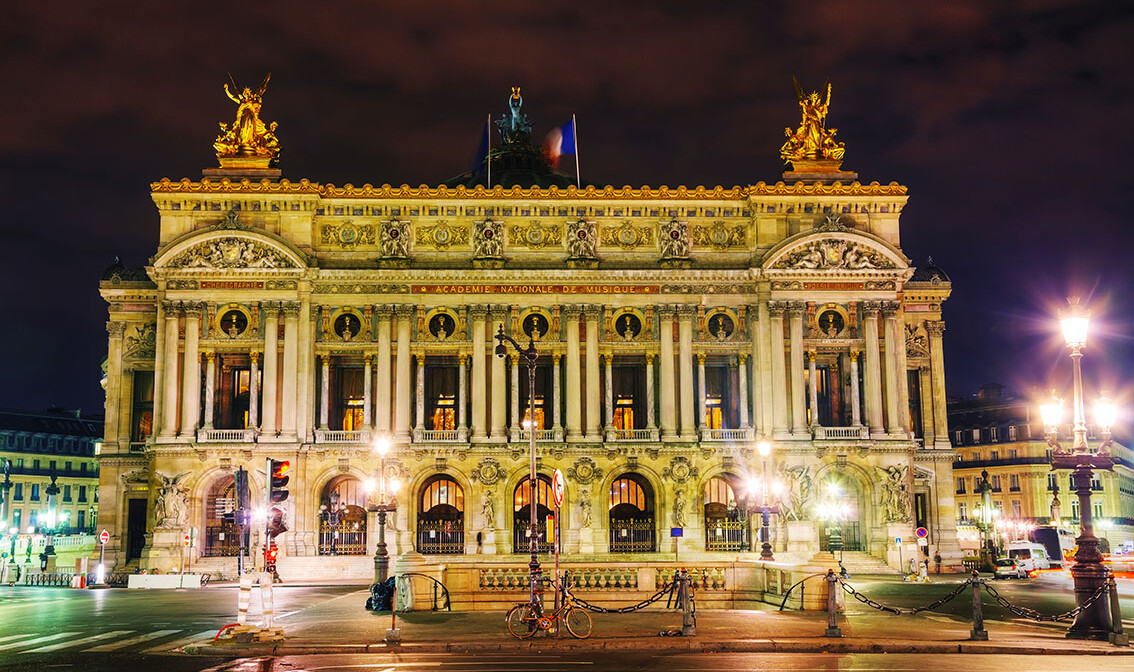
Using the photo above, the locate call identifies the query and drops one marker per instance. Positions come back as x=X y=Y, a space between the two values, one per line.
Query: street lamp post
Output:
x=1088 y=572
x=331 y=509
x=381 y=556
x=52 y=491
x=530 y=355
x=766 y=509
x=5 y=488
x=985 y=515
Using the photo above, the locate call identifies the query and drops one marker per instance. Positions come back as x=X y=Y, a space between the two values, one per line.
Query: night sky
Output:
x=1010 y=122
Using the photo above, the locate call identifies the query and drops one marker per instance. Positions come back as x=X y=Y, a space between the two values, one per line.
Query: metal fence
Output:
x=632 y=536
x=342 y=539
x=436 y=537
x=722 y=534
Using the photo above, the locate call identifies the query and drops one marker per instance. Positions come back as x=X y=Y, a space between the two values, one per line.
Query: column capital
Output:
x=193 y=308
x=811 y=356
x=254 y=355
x=367 y=359
x=854 y=354
x=891 y=308
x=665 y=311
x=572 y=311
x=170 y=308
x=742 y=357
x=777 y=308
x=211 y=356
x=324 y=359
x=796 y=309
x=290 y=309
x=650 y=357
x=384 y=311
x=462 y=358
x=515 y=359
x=420 y=359
x=871 y=308
x=555 y=357
x=608 y=358
x=592 y=311
x=116 y=328
x=701 y=358
x=404 y=311
x=478 y=312
x=935 y=328
x=686 y=312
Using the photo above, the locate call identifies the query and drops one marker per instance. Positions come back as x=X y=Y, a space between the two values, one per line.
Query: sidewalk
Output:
x=342 y=626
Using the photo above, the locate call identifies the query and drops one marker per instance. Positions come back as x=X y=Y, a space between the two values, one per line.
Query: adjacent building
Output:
x=675 y=326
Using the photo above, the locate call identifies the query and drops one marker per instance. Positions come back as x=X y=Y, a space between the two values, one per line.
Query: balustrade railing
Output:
x=624 y=578
x=540 y=435
x=632 y=435
x=741 y=434
x=226 y=435
x=137 y=446
x=440 y=435
x=342 y=436
x=856 y=433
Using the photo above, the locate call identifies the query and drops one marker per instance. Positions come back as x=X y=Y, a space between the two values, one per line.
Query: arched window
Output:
x=440 y=518
x=632 y=523
x=342 y=517
x=221 y=539
x=521 y=514
x=726 y=523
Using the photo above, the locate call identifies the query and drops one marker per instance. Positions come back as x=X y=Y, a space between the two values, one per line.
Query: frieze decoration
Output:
x=627 y=236
x=347 y=235
x=143 y=342
x=441 y=235
x=725 y=288
x=394 y=239
x=231 y=222
x=488 y=239
x=680 y=470
x=362 y=288
x=833 y=223
x=832 y=254
x=584 y=471
x=719 y=235
x=674 y=239
x=181 y=284
x=230 y=253
x=281 y=284
x=582 y=239
x=917 y=343
x=884 y=285
x=487 y=471
x=786 y=285
x=536 y=235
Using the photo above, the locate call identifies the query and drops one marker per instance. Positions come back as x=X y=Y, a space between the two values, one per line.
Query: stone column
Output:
x=111 y=431
x=936 y=329
x=798 y=398
x=813 y=387
x=515 y=401
x=268 y=423
x=571 y=316
x=405 y=315
x=780 y=423
x=608 y=358
x=253 y=390
x=893 y=361
x=306 y=375
x=419 y=394
x=651 y=422
x=742 y=373
x=462 y=397
x=556 y=394
x=478 y=315
x=191 y=376
x=902 y=375
x=872 y=374
x=702 y=393
x=592 y=315
x=685 y=370
x=499 y=412
x=668 y=378
x=290 y=366
x=210 y=387
x=324 y=391
x=169 y=385
x=385 y=383
x=925 y=405
x=367 y=392
x=855 y=393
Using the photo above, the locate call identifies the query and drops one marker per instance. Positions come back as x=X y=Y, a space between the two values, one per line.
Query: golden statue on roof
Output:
x=812 y=141
x=248 y=140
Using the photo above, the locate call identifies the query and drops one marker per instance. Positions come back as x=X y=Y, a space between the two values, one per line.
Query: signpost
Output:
x=898 y=543
x=100 y=574
x=558 y=488
x=922 y=533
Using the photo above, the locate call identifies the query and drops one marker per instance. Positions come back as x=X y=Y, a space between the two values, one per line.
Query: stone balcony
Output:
x=210 y=435
x=357 y=437
x=860 y=433
x=741 y=435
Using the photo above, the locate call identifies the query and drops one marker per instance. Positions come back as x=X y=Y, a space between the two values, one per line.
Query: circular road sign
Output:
x=103 y=537
x=922 y=533
x=558 y=487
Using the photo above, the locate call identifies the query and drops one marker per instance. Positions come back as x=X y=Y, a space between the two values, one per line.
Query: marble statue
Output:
x=171 y=508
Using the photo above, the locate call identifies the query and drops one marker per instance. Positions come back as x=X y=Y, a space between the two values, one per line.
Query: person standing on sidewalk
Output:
x=937 y=561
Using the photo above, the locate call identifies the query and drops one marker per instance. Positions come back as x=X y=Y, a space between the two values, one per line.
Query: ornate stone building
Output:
x=675 y=328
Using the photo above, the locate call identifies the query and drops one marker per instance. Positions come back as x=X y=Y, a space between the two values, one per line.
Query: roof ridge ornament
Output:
x=231 y=222
x=248 y=142
x=811 y=149
x=833 y=222
x=515 y=126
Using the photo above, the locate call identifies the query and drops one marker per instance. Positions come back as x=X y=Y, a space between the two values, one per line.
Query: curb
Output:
x=844 y=646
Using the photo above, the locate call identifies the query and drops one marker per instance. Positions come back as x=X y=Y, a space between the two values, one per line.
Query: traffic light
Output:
x=276 y=525
x=271 y=554
x=243 y=493
x=277 y=481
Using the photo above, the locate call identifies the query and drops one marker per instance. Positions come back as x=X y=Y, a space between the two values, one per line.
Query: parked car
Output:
x=1009 y=568
x=1031 y=555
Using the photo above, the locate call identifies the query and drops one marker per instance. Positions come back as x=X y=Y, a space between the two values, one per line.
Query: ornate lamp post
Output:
x=985 y=514
x=530 y=356
x=383 y=507
x=766 y=509
x=5 y=488
x=1088 y=571
x=52 y=492
x=331 y=510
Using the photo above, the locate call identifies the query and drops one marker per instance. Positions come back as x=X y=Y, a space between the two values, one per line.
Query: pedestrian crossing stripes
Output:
x=102 y=642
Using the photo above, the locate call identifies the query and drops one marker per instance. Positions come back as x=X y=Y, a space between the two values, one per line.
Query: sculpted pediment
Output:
x=843 y=250
x=228 y=249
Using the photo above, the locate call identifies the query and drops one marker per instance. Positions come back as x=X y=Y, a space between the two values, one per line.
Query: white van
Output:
x=1032 y=556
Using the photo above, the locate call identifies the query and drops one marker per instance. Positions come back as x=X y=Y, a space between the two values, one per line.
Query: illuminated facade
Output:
x=675 y=326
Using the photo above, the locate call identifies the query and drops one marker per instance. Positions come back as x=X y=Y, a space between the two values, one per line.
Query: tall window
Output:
x=995 y=479
x=35 y=492
x=1097 y=506
x=66 y=493
x=1014 y=482
x=913 y=383
x=629 y=395
x=960 y=485
x=1017 y=510
x=441 y=393
x=962 y=510
x=349 y=383
x=81 y=519
x=18 y=491
x=142 y=412
x=82 y=493
x=624 y=413
x=717 y=412
x=1052 y=484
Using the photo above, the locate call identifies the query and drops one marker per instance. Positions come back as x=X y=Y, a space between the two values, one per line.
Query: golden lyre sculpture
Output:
x=248 y=140
x=812 y=141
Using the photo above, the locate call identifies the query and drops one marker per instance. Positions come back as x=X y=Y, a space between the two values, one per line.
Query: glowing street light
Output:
x=382 y=508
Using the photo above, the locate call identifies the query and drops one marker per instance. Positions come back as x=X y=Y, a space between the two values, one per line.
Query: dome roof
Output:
x=930 y=273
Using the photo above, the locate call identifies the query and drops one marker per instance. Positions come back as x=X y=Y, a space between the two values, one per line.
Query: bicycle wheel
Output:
x=521 y=621
x=579 y=623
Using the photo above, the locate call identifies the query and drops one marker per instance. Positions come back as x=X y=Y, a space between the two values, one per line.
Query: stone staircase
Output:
x=856 y=562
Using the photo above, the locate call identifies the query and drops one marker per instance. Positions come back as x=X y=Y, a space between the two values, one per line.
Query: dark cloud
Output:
x=1008 y=121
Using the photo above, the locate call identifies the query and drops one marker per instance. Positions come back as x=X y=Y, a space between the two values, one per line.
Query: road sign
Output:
x=186 y=539
x=922 y=541
x=103 y=537
x=898 y=541
x=677 y=531
x=922 y=533
x=558 y=487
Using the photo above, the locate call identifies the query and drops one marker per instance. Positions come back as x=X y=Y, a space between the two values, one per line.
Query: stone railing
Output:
x=743 y=434
x=540 y=435
x=632 y=434
x=342 y=436
x=439 y=436
x=137 y=446
x=226 y=435
x=825 y=433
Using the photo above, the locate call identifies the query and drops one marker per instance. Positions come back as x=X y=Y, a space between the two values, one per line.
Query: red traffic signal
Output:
x=276 y=525
x=278 y=480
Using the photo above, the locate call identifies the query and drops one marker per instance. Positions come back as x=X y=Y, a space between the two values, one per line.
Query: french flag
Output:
x=560 y=141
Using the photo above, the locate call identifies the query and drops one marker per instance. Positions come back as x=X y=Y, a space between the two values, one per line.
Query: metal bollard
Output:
x=833 y=629
x=393 y=634
x=1117 y=636
x=979 y=634
x=688 y=624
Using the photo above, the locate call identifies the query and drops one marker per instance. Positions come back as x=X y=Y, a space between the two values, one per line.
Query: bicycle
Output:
x=524 y=620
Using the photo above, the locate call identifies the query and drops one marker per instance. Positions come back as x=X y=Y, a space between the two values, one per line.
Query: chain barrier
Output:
x=847 y=588
x=1025 y=612
x=665 y=590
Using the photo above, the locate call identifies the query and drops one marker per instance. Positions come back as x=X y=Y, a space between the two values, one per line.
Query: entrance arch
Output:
x=727 y=525
x=441 y=516
x=521 y=514
x=632 y=521
x=841 y=503
x=222 y=539
x=342 y=517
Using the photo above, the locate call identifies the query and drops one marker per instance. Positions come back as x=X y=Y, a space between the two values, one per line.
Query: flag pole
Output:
x=575 y=128
x=488 y=158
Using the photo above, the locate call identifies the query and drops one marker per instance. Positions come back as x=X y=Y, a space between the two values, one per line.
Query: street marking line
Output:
x=11 y=637
x=74 y=643
x=169 y=646
x=133 y=640
x=37 y=640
